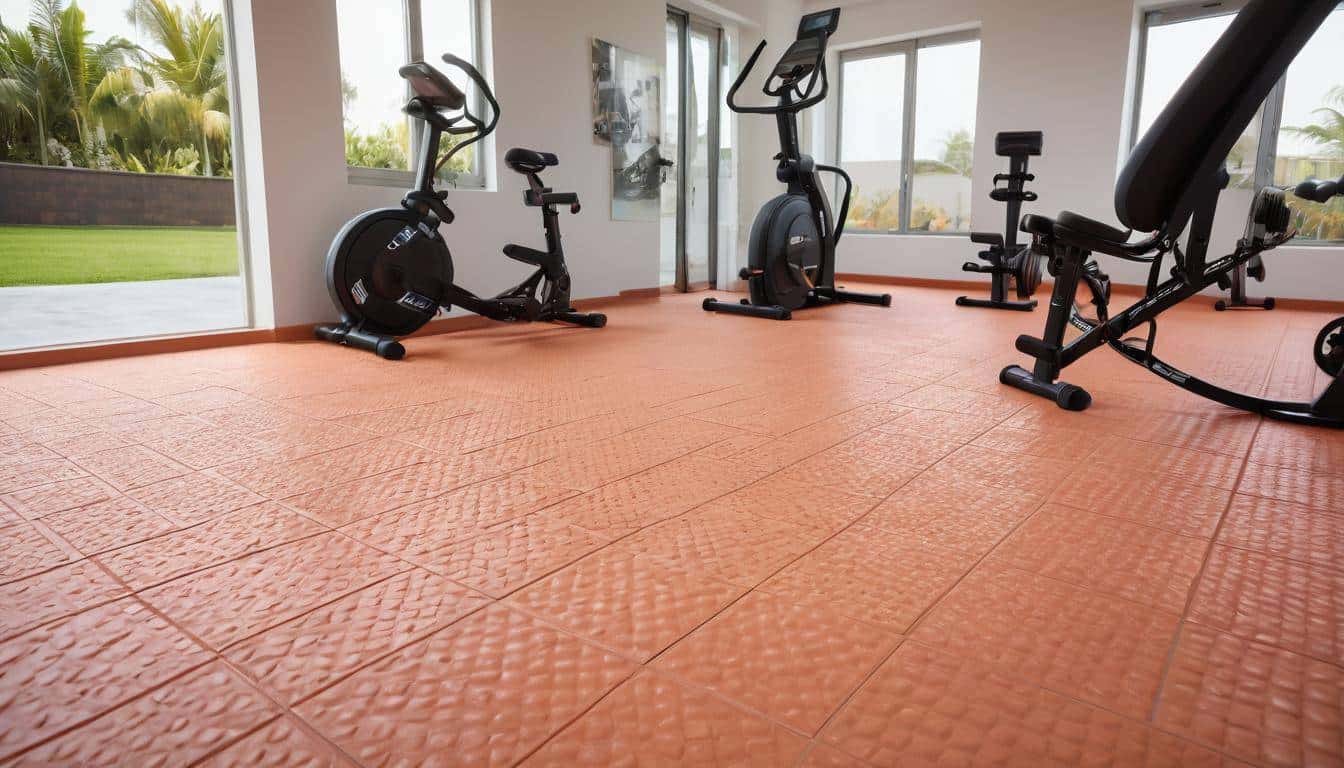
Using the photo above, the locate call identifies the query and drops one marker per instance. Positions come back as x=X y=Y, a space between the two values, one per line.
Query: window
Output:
x=380 y=139
x=907 y=134
x=1297 y=133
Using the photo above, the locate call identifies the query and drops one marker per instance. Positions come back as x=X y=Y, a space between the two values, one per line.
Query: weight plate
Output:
x=385 y=274
x=1330 y=347
x=1027 y=273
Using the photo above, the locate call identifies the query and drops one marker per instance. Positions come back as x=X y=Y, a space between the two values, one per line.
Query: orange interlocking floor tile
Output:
x=687 y=539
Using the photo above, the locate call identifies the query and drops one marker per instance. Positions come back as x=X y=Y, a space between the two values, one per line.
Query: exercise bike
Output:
x=389 y=271
x=1009 y=264
x=791 y=256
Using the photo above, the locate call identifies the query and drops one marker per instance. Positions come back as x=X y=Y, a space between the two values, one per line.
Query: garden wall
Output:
x=31 y=194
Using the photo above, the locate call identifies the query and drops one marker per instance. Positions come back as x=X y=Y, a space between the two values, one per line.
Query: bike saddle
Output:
x=993 y=239
x=527 y=161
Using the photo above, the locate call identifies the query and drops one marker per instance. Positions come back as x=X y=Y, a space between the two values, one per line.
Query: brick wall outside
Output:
x=32 y=194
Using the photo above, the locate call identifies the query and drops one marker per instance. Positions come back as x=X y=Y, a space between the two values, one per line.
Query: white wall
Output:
x=1064 y=67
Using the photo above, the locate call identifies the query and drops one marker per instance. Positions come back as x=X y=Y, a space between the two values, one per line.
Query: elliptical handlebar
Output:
x=479 y=127
x=805 y=101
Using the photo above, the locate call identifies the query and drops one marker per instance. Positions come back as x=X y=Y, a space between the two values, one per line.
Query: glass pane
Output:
x=1311 y=141
x=1172 y=53
x=377 y=134
x=704 y=61
x=151 y=247
x=946 y=90
x=726 y=243
x=446 y=27
x=667 y=246
x=872 y=131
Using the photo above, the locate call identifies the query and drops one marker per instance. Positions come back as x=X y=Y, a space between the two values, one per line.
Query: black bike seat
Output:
x=987 y=238
x=1038 y=225
x=1093 y=228
x=529 y=160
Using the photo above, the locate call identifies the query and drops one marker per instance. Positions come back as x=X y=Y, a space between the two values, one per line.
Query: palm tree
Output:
x=192 y=88
x=1325 y=221
x=1329 y=132
x=23 y=92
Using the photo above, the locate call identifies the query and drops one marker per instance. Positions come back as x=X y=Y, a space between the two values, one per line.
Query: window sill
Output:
x=387 y=177
x=889 y=233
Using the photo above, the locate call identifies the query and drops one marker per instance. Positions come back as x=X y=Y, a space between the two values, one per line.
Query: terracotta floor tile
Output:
x=631 y=453
x=54 y=594
x=839 y=469
x=307 y=438
x=1100 y=649
x=94 y=441
x=60 y=674
x=1324 y=492
x=653 y=720
x=195 y=498
x=345 y=503
x=1284 y=529
x=282 y=744
x=17 y=450
x=1287 y=604
x=938 y=424
x=397 y=420
x=43 y=500
x=871 y=575
x=916 y=451
x=247 y=530
x=42 y=472
x=1116 y=557
x=737 y=547
x=215 y=705
x=206 y=448
x=486 y=691
x=1030 y=476
x=26 y=550
x=513 y=554
x=237 y=599
x=1268 y=706
x=1161 y=501
x=792 y=501
x=938 y=398
x=924 y=707
x=1203 y=467
x=953 y=511
x=279 y=478
x=133 y=467
x=794 y=663
x=626 y=602
x=1299 y=447
x=108 y=525
x=300 y=657
x=1074 y=444
x=206 y=399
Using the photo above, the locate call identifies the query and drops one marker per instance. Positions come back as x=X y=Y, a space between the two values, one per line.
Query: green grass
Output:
x=73 y=255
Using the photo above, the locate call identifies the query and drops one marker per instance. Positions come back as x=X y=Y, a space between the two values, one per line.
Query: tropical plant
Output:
x=880 y=211
x=385 y=148
x=959 y=151
x=1322 y=221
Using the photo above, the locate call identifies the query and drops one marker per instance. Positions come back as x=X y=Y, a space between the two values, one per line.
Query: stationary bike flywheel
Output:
x=786 y=251
x=1027 y=272
x=1330 y=347
x=385 y=274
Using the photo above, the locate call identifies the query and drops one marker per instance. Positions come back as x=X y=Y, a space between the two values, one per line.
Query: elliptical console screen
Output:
x=821 y=23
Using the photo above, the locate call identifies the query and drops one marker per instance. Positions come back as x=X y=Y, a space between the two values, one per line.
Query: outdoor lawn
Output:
x=74 y=255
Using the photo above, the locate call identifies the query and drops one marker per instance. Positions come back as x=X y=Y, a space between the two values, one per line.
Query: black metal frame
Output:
x=1005 y=254
x=801 y=175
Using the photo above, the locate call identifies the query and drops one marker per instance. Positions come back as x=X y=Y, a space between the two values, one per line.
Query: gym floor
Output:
x=682 y=539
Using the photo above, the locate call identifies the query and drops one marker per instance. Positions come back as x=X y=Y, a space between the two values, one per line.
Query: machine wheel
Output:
x=785 y=253
x=1220 y=306
x=1027 y=273
x=1330 y=347
x=1269 y=304
x=385 y=275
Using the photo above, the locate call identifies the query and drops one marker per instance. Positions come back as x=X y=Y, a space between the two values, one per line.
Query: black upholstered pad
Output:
x=529 y=160
x=1092 y=228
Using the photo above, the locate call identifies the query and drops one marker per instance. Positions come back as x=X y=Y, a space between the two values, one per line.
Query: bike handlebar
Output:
x=480 y=128
x=798 y=106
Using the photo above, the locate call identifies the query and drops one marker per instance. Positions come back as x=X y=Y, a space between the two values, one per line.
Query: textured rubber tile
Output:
x=133 y=467
x=214 y=703
x=1299 y=447
x=94 y=441
x=1160 y=501
x=63 y=673
x=43 y=500
x=298 y=658
x=841 y=470
x=939 y=424
x=924 y=707
x=1073 y=444
x=737 y=547
x=206 y=399
x=871 y=575
x=792 y=501
x=252 y=418
x=486 y=691
x=1100 y=649
x=986 y=406
x=206 y=448
x=54 y=594
x=733 y=446
x=824 y=756
x=651 y=720
x=26 y=550
x=476 y=430
x=235 y=600
x=1116 y=557
x=1265 y=705
x=163 y=428
x=953 y=511
x=396 y=421
x=248 y=530
x=278 y=478
x=625 y=602
x=345 y=503
x=918 y=452
x=195 y=498
x=1291 y=605
x=628 y=454
x=108 y=525
x=427 y=532
x=1324 y=492
x=1284 y=529
x=794 y=663
x=1229 y=433
x=42 y=472
x=513 y=554
x=284 y=743
x=1202 y=467
x=16 y=451
x=307 y=438
x=624 y=506
x=1028 y=476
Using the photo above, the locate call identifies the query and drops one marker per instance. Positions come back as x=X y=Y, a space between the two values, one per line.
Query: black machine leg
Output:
x=585 y=319
x=1020 y=306
x=769 y=312
x=1042 y=379
x=877 y=299
x=1239 y=299
x=385 y=347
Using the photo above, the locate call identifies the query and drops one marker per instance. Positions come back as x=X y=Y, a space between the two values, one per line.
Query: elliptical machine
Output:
x=791 y=260
x=1009 y=264
x=389 y=270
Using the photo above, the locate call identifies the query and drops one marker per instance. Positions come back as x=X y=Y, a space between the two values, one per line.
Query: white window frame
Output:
x=1271 y=121
x=414 y=40
x=911 y=49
